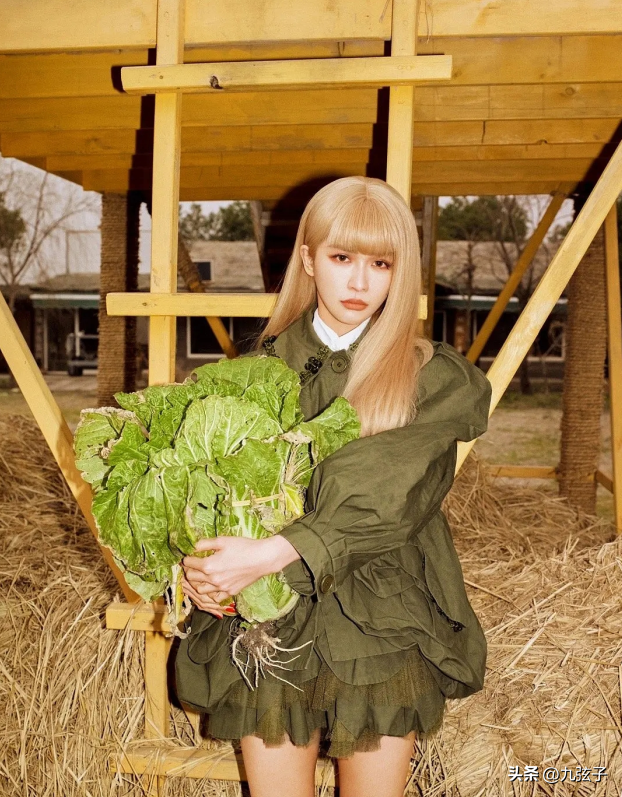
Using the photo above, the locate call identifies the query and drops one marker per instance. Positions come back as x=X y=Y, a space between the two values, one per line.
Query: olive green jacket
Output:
x=378 y=572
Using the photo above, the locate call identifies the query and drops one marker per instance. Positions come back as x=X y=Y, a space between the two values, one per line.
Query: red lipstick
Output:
x=354 y=304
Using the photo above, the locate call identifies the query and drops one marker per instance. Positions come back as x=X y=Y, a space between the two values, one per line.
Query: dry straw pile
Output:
x=545 y=583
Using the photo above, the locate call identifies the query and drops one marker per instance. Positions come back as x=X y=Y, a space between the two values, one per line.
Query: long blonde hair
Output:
x=363 y=214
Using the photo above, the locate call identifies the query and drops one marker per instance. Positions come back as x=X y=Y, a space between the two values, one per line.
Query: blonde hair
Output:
x=363 y=214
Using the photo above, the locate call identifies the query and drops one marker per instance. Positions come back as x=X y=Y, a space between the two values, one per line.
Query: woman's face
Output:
x=341 y=275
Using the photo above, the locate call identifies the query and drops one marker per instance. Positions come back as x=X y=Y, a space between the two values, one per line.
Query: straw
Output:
x=544 y=580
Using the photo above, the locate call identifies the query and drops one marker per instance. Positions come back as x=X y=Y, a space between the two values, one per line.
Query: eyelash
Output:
x=334 y=257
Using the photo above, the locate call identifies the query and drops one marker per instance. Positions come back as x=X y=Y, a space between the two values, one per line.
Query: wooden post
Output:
x=402 y=100
x=551 y=285
x=614 y=335
x=522 y=264
x=428 y=258
x=50 y=420
x=162 y=329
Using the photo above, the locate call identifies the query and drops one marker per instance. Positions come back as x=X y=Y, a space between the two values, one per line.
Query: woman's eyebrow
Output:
x=351 y=252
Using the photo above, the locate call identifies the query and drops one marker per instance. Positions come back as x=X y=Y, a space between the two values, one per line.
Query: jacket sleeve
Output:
x=375 y=493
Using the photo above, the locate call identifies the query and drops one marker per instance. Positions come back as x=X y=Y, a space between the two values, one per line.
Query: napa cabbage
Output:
x=226 y=452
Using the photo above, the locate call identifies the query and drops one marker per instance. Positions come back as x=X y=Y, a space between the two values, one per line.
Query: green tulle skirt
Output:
x=351 y=718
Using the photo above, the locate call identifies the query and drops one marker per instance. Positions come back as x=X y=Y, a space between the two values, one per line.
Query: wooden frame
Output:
x=402 y=70
x=167 y=80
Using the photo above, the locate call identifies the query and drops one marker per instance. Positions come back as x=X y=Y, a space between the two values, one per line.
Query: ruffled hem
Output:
x=351 y=718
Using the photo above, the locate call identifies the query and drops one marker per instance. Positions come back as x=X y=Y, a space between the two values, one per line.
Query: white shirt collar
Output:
x=331 y=339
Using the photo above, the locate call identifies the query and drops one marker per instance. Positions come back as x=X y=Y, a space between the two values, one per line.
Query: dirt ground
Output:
x=523 y=430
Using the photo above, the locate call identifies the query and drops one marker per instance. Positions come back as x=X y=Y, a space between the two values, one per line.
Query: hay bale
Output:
x=544 y=581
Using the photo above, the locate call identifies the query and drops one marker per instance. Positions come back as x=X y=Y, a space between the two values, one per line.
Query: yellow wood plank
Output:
x=512 y=61
x=157 y=706
x=327 y=157
x=50 y=420
x=259 y=76
x=137 y=616
x=551 y=284
x=235 y=139
x=327 y=106
x=428 y=258
x=522 y=471
x=89 y=74
x=521 y=132
x=238 y=179
x=479 y=137
x=125 y=161
x=539 y=101
x=132 y=23
x=249 y=305
x=311 y=106
x=162 y=330
x=530 y=59
x=213 y=176
x=88 y=24
x=491 y=152
x=165 y=204
x=401 y=100
x=521 y=266
x=194 y=762
x=607 y=483
x=614 y=336
x=279 y=193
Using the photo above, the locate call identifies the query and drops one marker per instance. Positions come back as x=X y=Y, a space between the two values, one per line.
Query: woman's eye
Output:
x=341 y=258
x=382 y=263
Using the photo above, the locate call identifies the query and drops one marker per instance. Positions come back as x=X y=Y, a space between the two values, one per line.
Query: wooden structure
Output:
x=442 y=97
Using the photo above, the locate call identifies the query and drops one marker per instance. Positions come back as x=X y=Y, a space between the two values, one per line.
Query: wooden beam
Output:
x=327 y=157
x=551 y=285
x=164 y=215
x=325 y=106
x=192 y=762
x=614 y=337
x=125 y=161
x=51 y=422
x=527 y=131
x=401 y=100
x=530 y=59
x=607 y=482
x=523 y=471
x=137 y=616
x=534 y=60
x=523 y=137
x=238 y=305
x=127 y=24
x=193 y=139
x=240 y=178
x=257 y=76
x=428 y=258
x=528 y=101
x=520 y=267
x=277 y=194
x=90 y=74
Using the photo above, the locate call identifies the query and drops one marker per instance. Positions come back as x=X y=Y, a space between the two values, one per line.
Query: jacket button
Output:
x=339 y=364
x=326 y=584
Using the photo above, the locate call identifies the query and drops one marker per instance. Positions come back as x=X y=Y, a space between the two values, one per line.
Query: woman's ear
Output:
x=307 y=260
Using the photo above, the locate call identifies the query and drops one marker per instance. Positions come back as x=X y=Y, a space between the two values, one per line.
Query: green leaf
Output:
x=226 y=452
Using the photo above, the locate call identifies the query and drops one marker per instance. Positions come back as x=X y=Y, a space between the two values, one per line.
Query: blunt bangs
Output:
x=364 y=224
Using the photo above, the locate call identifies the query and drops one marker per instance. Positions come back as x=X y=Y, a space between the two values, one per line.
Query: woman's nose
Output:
x=358 y=278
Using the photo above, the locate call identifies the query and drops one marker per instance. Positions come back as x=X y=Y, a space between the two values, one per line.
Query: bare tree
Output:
x=32 y=210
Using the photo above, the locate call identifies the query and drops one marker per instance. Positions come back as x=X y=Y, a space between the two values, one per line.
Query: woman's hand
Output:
x=207 y=599
x=236 y=563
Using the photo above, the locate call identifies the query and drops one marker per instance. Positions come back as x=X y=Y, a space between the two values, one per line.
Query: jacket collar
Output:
x=309 y=330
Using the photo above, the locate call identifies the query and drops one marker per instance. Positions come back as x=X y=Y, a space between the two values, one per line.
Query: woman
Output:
x=389 y=628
